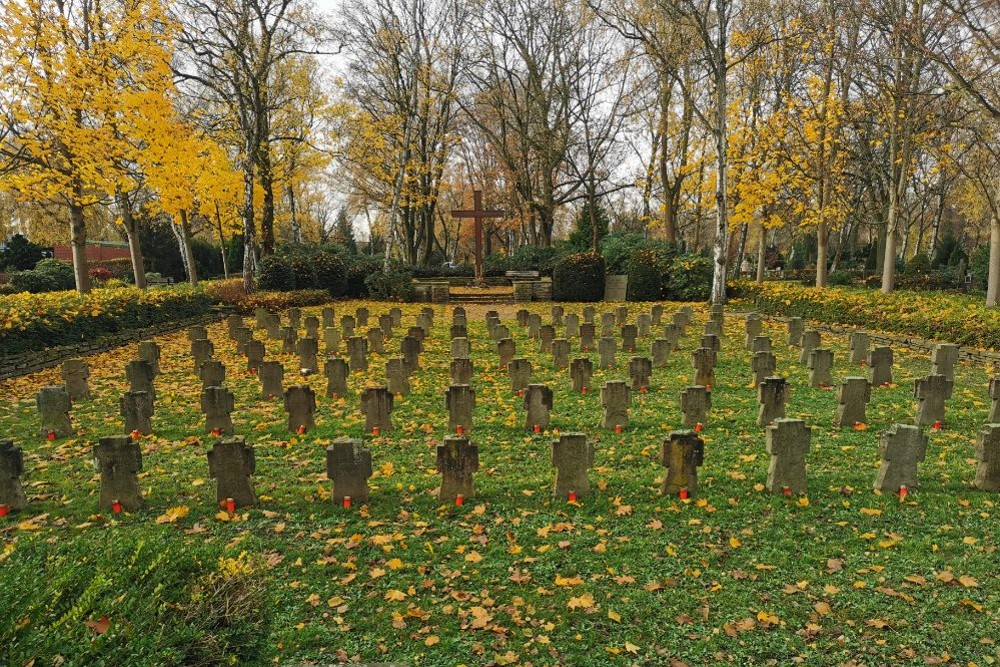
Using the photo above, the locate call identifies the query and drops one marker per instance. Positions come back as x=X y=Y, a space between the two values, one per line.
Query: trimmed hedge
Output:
x=939 y=316
x=230 y=293
x=303 y=268
x=37 y=321
x=578 y=278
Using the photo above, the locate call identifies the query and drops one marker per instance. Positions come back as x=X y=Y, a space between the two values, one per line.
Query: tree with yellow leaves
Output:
x=75 y=81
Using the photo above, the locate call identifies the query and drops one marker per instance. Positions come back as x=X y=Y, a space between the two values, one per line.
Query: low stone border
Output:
x=36 y=360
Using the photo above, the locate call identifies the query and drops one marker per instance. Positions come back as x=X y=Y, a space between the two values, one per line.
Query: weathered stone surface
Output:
x=397 y=376
x=572 y=325
x=460 y=348
x=331 y=340
x=347 y=325
x=760 y=344
x=425 y=322
x=931 y=392
x=231 y=462
x=272 y=378
x=820 y=367
x=300 y=404
x=608 y=349
x=212 y=373
x=682 y=453
x=809 y=341
x=788 y=444
x=560 y=353
x=587 y=336
x=457 y=460
x=506 y=349
x=859 y=342
x=11 y=468
x=522 y=317
x=621 y=315
x=385 y=324
x=273 y=326
x=312 y=327
x=589 y=312
x=615 y=399
x=994 y=417
x=572 y=457
x=140 y=377
x=546 y=334
x=519 y=371
x=695 y=403
x=853 y=395
x=329 y=317
x=943 y=360
x=202 y=350
x=656 y=315
x=629 y=333
x=233 y=322
x=255 y=355
x=243 y=335
x=534 y=324
x=375 y=340
x=376 y=405
x=294 y=318
x=411 y=348
x=642 y=324
x=557 y=312
x=53 y=409
x=289 y=337
x=660 y=351
x=537 y=403
x=754 y=326
x=712 y=328
x=136 y=411
x=74 y=374
x=901 y=448
x=361 y=316
x=397 y=316
x=772 y=393
x=150 y=351
x=763 y=366
x=880 y=366
x=640 y=370
x=987 y=459
x=460 y=400
x=218 y=404
x=357 y=351
x=607 y=325
x=349 y=465
x=712 y=342
x=198 y=331
x=459 y=331
x=703 y=363
x=461 y=371
x=580 y=372
x=672 y=333
x=119 y=460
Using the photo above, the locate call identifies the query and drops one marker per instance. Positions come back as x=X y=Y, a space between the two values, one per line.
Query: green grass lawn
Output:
x=734 y=575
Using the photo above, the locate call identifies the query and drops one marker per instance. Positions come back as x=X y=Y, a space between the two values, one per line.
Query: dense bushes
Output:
x=304 y=268
x=396 y=284
x=690 y=278
x=525 y=258
x=648 y=270
x=38 y=321
x=49 y=275
x=950 y=317
x=230 y=293
x=578 y=277
x=166 y=602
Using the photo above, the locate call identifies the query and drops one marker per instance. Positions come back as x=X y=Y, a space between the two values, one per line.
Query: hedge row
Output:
x=946 y=317
x=37 y=321
x=230 y=293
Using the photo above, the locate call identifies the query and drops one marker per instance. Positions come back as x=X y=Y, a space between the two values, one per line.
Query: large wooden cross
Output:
x=478 y=214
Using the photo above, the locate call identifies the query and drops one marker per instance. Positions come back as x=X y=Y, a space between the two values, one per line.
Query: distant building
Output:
x=97 y=251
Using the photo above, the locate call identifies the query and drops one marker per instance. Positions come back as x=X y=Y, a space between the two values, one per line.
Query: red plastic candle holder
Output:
x=459 y=429
x=51 y=435
x=347 y=502
x=4 y=511
x=216 y=432
x=135 y=435
x=584 y=390
x=375 y=430
x=618 y=428
x=572 y=496
x=903 y=492
x=253 y=371
x=643 y=390
x=698 y=427
x=301 y=430
x=684 y=494
x=116 y=507
x=537 y=429
x=937 y=426
x=786 y=491
x=459 y=500
x=230 y=505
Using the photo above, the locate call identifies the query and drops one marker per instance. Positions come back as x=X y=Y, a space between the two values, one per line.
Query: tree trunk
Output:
x=222 y=242
x=721 y=246
x=993 y=284
x=183 y=233
x=761 y=253
x=249 y=231
x=267 y=209
x=889 y=256
x=822 y=242
x=134 y=246
x=78 y=240
x=741 y=250
x=296 y=227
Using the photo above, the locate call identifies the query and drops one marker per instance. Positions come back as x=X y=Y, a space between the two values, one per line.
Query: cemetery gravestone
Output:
x=589 y=312
x=212 y=373
x=361 y=316
x=457 y=460
x=754 y=327
x=656 y=315
x=629 y=333
x=642 y=324
x=859 y=343
x=672 y=333
x=460 y=348
x=772 y=394
x=901 y=448
x=295 y=318
x=328 y=317
x=522 y=317
x=880 y=366
x=308 y=349
x=218 y=403
x=376 y=405
x=615 y=399
x=312 y=327
x=397 y=376
x=357 y=352
x=763 y=366
x=607 y=325
x=560 y=353
x=607 y=348
x=202 y=350
x=273 y=326
x=640 y=369
x=376 y=340
x=573 y=325
x=712 y=342
x=150 y=351
x=460 y=399
x=580 y=371
x=140 y=377
x=760 y=344
x=987 y=459
x=931 y=392
x=336 y=371
x=537 y=403
x=385 y=324
x=74 y=374
x=788 y=444
x=459 y=331
x=534 y=324
x=331 y=340
x=810 y=341
x=272 y=377
x=197 y=331
x=587 y=336
x=943 y=360
x=506 y=349
x=820 y=367
x=410 y=348
x=660 y=352
x=53 y=407
x=289 y=337
x=519 y=371
x=255 y=355
x=546 y=334
x=397 y=316
x=557 y=315
x=994 y=417
x=703 y=362
x=231 y=461
x=572 y=457
x=119 y=460
x=11 y=468
x=136 y=411
x=461 y=371
x=696 y=401
x=243 y=336
x=349 y=465
x=347 y=324
x=300 y=404
x=853 y=395
x=621 y=315
x=682 y=453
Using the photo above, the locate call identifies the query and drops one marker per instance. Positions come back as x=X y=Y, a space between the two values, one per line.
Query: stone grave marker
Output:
x=680 y=320
x=272 y=377
x=615 y=399
x=198 y=331
x=703 y=362
x=397 y=316
x=754 y=327
x=231 y=462
x=537 y=403
x=331 y=340
x=901 y=448
x=336 y=371
x=546 y=334
x=349 y=465
x=772 y=394
x=712 y=328
x=573 y=325
x=255 y=355
x=589 y=313
x=853 y=395
x=607 y=348
x=385 y=324
x=136 y=411
x=411 y=348
x=682 y=453
x=519 y=371
x=796 y=328
x=347 y=324
x=672 y=334
x=987 y=459
x=580 y=372
x=11 y=468
x=660 y=352
x=300 y=404
x=717 y=313
x=880 y=366
x=233 y=322
x=289 y=337
x=376 y=405
x=943 y=360
x=534 y=324
x=994 y=417
x=150 y=351
x=656 y=314
x=308 y=348
x=329 y=317
x=295 y=318
x=640 y=369
x=119 y=460
x=696 y=402
x=457 y=460
x=460 y=348
x=74 y=374
x=760 y=344
x=572 y=457
x=397 y=376
x=810 y=341
x=460 y=400
x=506 y=349
x=931 y=392
x=712 y=342
x=788 y=444
x=202 y=350
x=357 y=353
x=243 y=336
x=218 y=404
x=140 y=377
x=459 y=331
x=607 y=325
x=642 y=323
x=557 y=315
x=461 y=371
x=312 y=326
x=820 y=367
x=560 y=353
x=522 y=317
x=212 y=373
x=587 y=336
x=629 y=333
x=376 y=340
x=859 y=342
x=424 y=321
x=621 y=315
x=273 y=326
x=361 y=317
